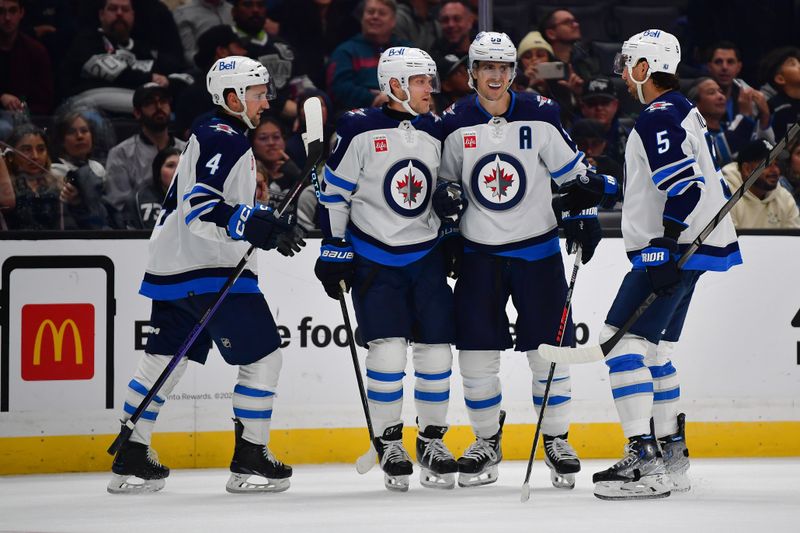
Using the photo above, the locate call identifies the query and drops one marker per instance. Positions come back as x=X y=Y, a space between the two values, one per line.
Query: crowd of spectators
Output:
x=97 y=98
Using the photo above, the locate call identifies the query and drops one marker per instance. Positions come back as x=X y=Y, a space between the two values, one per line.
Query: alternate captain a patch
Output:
x=498 y=181
x=407 y=187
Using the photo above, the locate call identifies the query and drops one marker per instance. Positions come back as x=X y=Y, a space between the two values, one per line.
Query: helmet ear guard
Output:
x=237 y=73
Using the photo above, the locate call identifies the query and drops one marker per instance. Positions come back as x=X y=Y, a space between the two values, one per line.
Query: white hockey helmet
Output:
x=237 y=73
x=492 y=46
x=660 y=49
x=401 y=63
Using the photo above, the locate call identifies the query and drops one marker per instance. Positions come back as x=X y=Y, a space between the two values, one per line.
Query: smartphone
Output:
x=555 y=70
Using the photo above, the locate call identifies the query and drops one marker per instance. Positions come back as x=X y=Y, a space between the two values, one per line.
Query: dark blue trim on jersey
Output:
x=201 y=281
x=385 y=397
x=569 y=166
x=706 y=257
x=141 y=389
x=532 y=249
x=217 y=272
x=378 y=252
x=552 y=401
x=252 y=414
x=194 y=213
x=201 y=188
x=433 y=377
x=483 y=404
x=676 y=191
x=386 y=377
x=146 y=415
x=336 y=181
x=664 y=173
x=425 y=396
x=252 y=393
x=662 y=371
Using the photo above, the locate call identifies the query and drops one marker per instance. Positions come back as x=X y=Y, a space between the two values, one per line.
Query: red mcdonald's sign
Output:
x=57 y=342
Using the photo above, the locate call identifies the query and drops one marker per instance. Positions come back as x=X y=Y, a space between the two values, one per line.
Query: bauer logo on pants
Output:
x=57 y=342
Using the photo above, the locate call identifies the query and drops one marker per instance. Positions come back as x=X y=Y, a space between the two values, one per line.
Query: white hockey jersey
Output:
x=190 y=248
x=377 y=186
x=505 y=165
x=668 y=150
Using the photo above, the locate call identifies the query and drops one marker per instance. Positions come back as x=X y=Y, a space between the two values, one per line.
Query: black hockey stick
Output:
x=525 y=493
x=589 y=354
x=314 y=148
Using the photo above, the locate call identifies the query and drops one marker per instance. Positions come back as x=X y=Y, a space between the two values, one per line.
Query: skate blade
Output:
x=489 y=475
x=396 y=483
x=646 y=488
x=562 y=481
x=432 y=480
x=241 y=484
x=123 y=485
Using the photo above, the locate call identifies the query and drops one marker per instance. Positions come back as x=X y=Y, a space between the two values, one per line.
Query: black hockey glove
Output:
x=334 y=265
x=584 y=229
x=291 y=242
x=452 y=249
x=257 y=225
x=448 y=200
x=589 y=190
x=661 y=261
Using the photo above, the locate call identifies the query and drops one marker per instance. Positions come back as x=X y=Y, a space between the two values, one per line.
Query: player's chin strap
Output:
x=475 y=88
x=639 y=84
x=241 y=114
x=405 y=103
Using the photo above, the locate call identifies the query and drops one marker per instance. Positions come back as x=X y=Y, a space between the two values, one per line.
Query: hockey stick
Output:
x=525 y=493
x=590 y=354
x=314 y=147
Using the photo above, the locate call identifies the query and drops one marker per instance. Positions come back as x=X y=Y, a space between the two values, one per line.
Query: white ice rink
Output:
x=742 y=495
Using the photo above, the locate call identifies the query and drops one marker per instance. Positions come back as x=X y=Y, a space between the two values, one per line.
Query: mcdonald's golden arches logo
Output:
x=57 y=342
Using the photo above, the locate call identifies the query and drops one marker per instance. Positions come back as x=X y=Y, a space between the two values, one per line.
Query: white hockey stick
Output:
x=590 y=354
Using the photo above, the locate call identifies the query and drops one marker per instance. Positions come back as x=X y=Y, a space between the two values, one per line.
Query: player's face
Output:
x=724 y=66
x=168 y=170
x=492 y=78
x=78 y=139
x=33 y=147
x=710 y=99
x=639 y=73
x=420 y=88
x=256 y=99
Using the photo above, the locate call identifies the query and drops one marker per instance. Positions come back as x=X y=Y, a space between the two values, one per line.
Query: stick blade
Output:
x=567 y=355
x=525 y=493
x=365 y=463
x=313 y=113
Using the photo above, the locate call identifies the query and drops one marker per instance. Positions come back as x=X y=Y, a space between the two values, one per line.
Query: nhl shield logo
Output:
x=498 y=181
x=407 y=187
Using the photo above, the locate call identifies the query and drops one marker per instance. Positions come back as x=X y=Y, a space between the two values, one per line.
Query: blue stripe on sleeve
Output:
x=194 y=213
x=386 y=377
x=569 y=166
x=630 y=390
x=146 y=415
x=666 y=395
x=336 y=181
x=664 y=173
x=434 y=377
x=385 y=397
x=552 y=400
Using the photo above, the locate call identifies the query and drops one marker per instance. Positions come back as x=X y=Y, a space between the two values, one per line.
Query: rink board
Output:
x=737 y=360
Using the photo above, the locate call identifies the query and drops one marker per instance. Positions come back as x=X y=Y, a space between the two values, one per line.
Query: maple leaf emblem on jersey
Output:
x=655 y=106
x=409 y=186
x=498 y=181
x=224 y=128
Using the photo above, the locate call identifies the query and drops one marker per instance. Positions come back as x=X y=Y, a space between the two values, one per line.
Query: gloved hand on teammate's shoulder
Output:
x=449 y=200
x=290 y=242
x=335 y=265
x=661 y=261
x=589 y=190
x=257 y=225
x=452 y=248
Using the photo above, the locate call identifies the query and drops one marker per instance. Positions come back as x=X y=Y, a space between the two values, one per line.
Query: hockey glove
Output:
x=661 y=261
x=452 y=249
x=292 y=241
x=582 y=228
x=448 y=200
x=257 y=225
x=335 y=264
x=589 y=190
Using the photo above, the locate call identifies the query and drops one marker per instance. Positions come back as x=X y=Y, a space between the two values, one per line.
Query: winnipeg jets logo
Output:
x=224 y=128
x=407 y=187
x=543 y=100
x=357 y=111
x=498 y=181
x=655 y=106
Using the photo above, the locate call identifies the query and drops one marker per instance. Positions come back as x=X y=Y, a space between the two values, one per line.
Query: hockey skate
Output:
x=676 y=457
x=255 y=460
x=639 y=475
x=394 y=459
x=438 y=465
x=562 y=461
x=139 y=461
x=478 y=465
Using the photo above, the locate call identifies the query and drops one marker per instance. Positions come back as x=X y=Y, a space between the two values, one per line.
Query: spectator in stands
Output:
x=600 y=102
x=160 y=31
x=416 y=22
x=765 y=205
x=37 y=204
x=562 y=30
x=216 y=43
x=143 y=207
x=26 y=82
x=353 y=69
x=454 y=79
x=590 y=137
x=269 y=147
x=724 y=65
x=71 y=141
x=294 y=144
x=457 y=20
x=262 y=184
x=129 y=163
x=781 y=69
x=728 y=140
x=277 y=55
x=195 y=18
x=7 y=199
x=53 y=23
x=104 y=67
x=790 y=179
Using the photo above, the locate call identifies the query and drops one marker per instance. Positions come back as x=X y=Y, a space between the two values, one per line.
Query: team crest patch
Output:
x=470 y=139
x=380 y=143
x=224 y=128
x=655 y=106
x=407 y=187
x=498 y=181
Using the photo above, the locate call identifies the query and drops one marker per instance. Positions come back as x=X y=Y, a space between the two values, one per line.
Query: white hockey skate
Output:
x=639 y=475
x=438 y=466
x=254 y=468
x=561 y=459
x=136 y=470
x=394 y=459
x=676 y=457
x=478 y=465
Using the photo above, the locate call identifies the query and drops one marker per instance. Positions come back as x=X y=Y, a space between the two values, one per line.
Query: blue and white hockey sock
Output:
x=666 y=388
x=386 y=363
x=150 y=368
x=631 y=382
x=254 y=394
x=432 y=369
x=480 y=371
x=559 y=404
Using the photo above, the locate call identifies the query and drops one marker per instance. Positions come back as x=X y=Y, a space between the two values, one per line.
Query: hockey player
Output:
x=208 y=221
x=673 y=188
x=505 y=149
x=380 y=237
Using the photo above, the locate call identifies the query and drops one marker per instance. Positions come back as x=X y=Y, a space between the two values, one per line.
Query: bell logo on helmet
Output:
x=652 y=33
x=397 y=52
x=496 y=40
x=227 y=66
